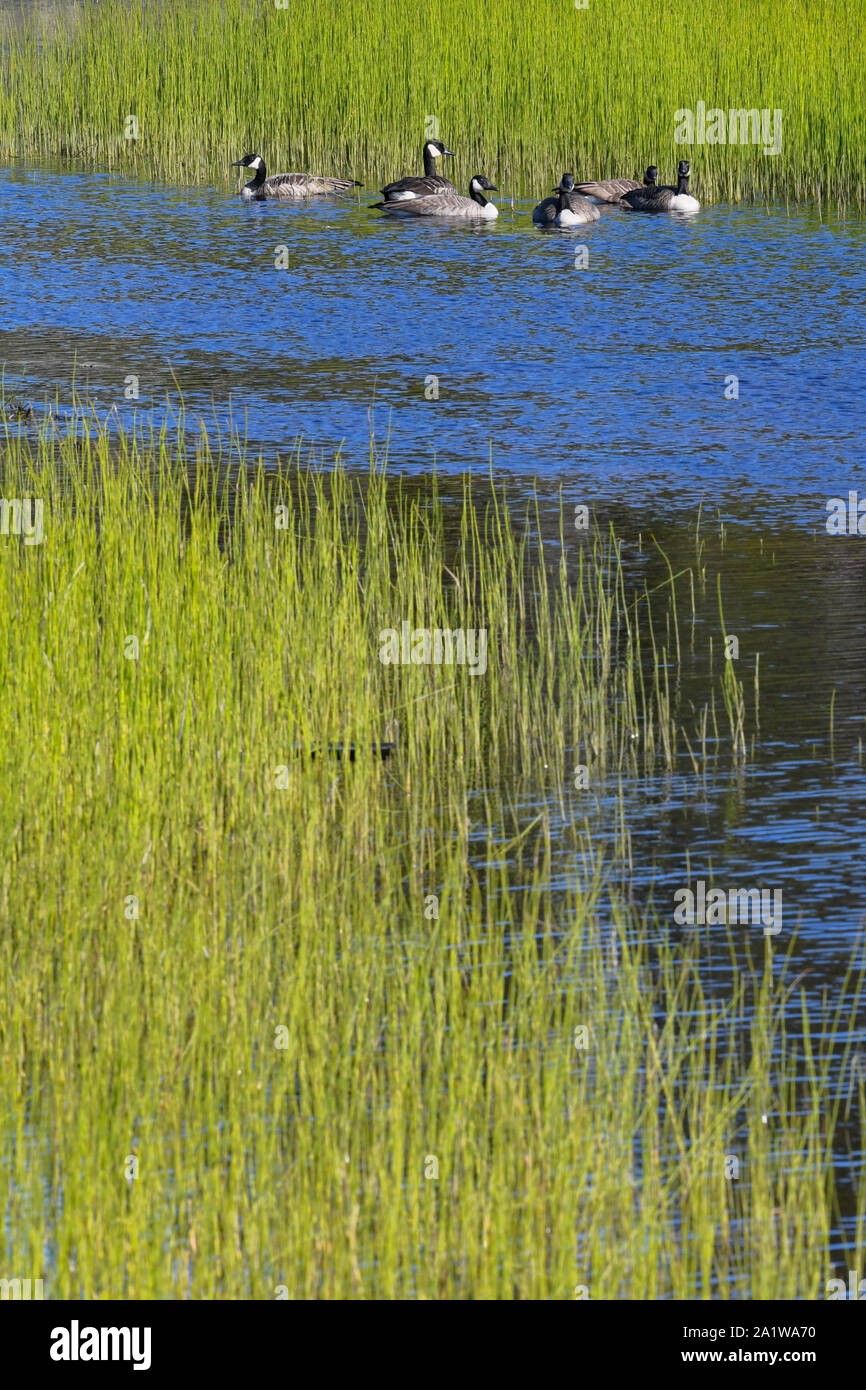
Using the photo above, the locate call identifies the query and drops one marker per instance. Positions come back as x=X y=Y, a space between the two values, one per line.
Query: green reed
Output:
x=520 y=91
x=274 y=1024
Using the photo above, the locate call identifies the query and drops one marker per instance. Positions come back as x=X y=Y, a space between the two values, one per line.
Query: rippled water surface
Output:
x=614 y=374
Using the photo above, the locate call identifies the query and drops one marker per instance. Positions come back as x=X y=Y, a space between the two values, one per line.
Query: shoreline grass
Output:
x=521 y=92
x=241 y=1056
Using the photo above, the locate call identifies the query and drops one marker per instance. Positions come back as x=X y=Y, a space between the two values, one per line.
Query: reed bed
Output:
x=275 y=1025
x=519 y=91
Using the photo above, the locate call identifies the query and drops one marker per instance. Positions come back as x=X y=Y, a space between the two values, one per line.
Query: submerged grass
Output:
x=273 y=1025
x=520 y=91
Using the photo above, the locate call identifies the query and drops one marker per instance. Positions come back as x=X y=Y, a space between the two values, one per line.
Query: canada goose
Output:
x=613 y=190
x=565 y=208
x=287 y=185
x=665 y=199
x=417 y=187
x=449 y=203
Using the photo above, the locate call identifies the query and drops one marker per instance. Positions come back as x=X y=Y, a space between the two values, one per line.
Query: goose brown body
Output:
x=288 y=185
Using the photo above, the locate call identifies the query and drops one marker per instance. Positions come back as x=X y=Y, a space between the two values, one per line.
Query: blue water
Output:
x=615 y=373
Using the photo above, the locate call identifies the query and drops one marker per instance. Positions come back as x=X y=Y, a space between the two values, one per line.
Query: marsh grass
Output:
x=521 y=91
x=220 y=958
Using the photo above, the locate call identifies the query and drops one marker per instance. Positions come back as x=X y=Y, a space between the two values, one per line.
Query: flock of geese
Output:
x=431 y=195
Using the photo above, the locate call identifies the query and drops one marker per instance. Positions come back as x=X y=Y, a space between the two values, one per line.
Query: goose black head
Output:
x=436 y=149
x=249 y=161
x=480 y=184
x=683 y=176
x=651 y=175
x=566 y=184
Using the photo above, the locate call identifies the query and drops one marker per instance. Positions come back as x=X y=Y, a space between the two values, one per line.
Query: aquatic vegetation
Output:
x=272 y=1023
x=520 y=91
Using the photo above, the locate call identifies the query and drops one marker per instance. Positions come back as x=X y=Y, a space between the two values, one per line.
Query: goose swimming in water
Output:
x=449 y=203
x=287 y=185
x=613 y=190
x=566 y=208
x=665 y=199
x=401 y=190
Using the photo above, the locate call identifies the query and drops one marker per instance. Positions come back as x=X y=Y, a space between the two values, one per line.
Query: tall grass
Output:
x=519 y=90
x=275 y=1023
